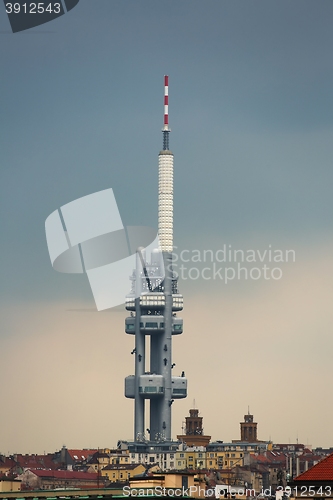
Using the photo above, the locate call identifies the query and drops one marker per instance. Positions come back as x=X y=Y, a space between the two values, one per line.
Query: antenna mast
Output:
x=166 y=130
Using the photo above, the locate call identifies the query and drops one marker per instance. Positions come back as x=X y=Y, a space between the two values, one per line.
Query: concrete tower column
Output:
x=140 y=355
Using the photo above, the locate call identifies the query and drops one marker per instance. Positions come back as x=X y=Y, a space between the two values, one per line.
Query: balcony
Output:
x=177 y=302
x=130 y=303
x=153 y=300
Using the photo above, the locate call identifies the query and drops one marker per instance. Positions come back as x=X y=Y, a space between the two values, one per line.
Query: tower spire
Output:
x=166 y=130
x=165 y=182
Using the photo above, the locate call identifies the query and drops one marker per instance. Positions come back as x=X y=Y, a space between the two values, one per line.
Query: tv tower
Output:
x=153 y=302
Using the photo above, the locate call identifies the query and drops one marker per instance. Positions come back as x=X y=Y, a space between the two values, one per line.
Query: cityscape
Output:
x=244 y=467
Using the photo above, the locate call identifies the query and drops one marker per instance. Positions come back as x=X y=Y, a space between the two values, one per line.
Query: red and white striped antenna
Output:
x=166 y=129
x=166 y=103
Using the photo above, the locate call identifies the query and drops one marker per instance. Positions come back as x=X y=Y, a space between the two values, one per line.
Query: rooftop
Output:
x=322 y=471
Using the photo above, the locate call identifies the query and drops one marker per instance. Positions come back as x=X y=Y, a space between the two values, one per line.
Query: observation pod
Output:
x=151 y=325
x=152 y=385
x=179 y=387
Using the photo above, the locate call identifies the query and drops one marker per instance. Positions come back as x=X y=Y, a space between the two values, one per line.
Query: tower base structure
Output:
x=153 y=304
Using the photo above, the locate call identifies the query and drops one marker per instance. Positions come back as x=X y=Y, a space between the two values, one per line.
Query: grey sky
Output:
x=251 y=114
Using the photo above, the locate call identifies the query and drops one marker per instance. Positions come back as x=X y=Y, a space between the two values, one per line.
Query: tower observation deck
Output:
x=153 y=303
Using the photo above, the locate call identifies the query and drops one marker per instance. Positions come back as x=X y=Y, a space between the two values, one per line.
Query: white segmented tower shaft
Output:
x=165 y=182
x=165 y=200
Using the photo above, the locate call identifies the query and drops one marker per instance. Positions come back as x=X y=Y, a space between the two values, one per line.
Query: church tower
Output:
x=248 y=429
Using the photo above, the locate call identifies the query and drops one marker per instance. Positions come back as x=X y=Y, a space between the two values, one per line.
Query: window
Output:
x=179 y=391
x=151 y=389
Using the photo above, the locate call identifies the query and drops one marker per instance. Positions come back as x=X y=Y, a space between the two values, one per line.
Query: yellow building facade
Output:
x=7 y=485
x=119 y=473
x=166 y=484
x=200 y=459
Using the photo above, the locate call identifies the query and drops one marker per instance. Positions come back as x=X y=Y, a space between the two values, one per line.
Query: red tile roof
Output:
x=65 y=474
x=310 y=457
x=271 y=459
x=7 y=462
x=36 y=461
x=322 y=471
x=81 y=454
